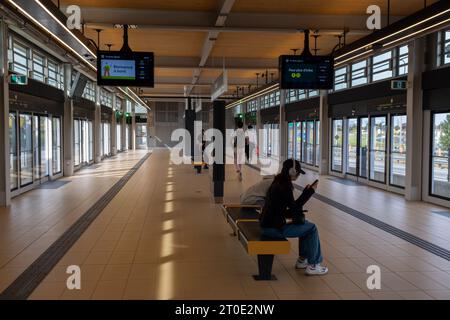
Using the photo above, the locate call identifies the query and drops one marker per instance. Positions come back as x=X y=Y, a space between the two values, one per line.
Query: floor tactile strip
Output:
x=30 y=279
x=426 y=245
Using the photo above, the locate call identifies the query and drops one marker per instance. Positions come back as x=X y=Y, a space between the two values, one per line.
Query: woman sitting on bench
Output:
x=280 y=206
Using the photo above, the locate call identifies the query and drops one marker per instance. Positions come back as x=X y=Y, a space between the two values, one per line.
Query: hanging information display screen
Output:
x=306 y=72
x=127 y=69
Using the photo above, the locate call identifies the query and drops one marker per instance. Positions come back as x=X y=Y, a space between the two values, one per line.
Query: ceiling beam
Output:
x=208 y=44
x=193 y=21
x=166 y=62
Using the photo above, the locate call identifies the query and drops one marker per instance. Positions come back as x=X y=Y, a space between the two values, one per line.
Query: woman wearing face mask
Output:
x=281 y=206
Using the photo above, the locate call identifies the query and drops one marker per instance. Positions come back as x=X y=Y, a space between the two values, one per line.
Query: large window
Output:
x=336 y=152
x=359 y=73
x=398 y=151
x=363 y=147
x=444 y=47
x=20 y=58
x=76 y=142
x=378 y=149
x=38 y=67
x=89 y=91
x=340 y=79
x=440 y=174
x=91 y=141
x=403 y=60
x=382 y=66
x=119 y=137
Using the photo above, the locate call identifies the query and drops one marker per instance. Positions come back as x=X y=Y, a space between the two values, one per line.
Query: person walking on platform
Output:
x=281 y=206
x=239 y=148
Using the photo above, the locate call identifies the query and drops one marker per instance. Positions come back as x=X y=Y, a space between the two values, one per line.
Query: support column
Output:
x=97 y=127
x=68 y=123
x=113 y=128
x=414 y=113
x=219 y=168
x=5 y=184
x=283 y=128
x=123 y=129
x=133 y=126
x=189 y=120
x=324 y=148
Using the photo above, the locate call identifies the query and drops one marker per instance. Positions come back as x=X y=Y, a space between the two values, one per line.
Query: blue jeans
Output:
x=308 y=236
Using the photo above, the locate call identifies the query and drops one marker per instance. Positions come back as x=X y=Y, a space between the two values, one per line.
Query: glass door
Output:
x=56 y=145
x=304 y=142
x=77 y=143
x=378 y=136
x=118 y=137
x=26 y=149
x=290 y=140
x=363 y=146
x=352 y=146
x=336 y=148
x=14 y=175
x=310 y=143
x=298 y=141
x=317 y=144
x=44 y=146
x=36 y=151
x=91 y=141
x=398 y=151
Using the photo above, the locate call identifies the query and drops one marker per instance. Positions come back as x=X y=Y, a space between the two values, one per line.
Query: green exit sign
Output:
x=18 y=79
x=399 y=84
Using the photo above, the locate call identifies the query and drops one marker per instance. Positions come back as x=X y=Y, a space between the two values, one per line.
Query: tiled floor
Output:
x=162 y=237
x=37 y=218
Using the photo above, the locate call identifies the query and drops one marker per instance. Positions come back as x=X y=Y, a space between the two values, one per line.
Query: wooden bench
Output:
x=236 y=213
x=244 y=220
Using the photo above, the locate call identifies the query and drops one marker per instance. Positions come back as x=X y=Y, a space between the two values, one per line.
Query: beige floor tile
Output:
x=441 y=277
x=116 y=272
x=414 y=295
x=122 y=257
x=308 y=296
x=98 y=257
x=109 y=290
x=354 y=296
x=48 y=291
x=385 y=296
x=421 y=281
x=142 y=289
x=439 y=294
x=340 y=283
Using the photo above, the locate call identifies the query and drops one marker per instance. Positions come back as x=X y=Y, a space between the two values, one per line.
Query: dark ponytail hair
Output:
x=283 y=179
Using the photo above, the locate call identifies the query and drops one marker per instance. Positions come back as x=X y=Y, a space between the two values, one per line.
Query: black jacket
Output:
x=280 y=205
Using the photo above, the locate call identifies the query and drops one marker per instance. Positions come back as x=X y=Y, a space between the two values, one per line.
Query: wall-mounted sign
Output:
x=18 y=79
x=220 y=86
x=399 y=84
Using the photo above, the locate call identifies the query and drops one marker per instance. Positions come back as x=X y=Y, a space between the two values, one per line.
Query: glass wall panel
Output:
x=290 y=140
x=44 y=146
x=77 y=143
x=298 y=141
x=378 y=149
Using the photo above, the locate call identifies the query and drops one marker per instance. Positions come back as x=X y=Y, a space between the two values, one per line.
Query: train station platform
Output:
x=161 y=236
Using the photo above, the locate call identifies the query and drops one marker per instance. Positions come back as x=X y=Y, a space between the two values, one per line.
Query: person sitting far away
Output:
x=281 y=206
x=256 y=194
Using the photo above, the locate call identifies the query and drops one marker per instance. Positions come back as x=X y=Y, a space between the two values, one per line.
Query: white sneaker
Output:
x=316 y=270
x=301 y=263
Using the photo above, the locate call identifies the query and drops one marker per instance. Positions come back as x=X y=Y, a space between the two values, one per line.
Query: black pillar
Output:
x=219 y=168
x=189 y=118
